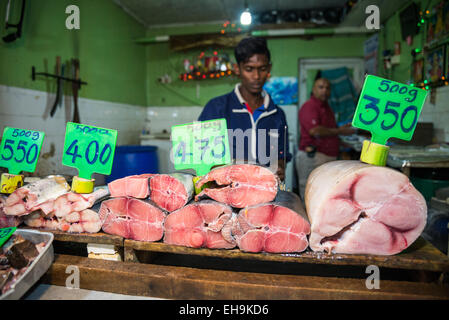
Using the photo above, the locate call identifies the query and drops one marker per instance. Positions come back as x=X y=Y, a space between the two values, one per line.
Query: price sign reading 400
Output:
x=200 y=145
x=20 y=149
x=89 y=149
x=388 y=109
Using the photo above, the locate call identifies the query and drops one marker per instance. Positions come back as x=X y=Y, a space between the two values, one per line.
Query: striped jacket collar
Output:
x=265 y=95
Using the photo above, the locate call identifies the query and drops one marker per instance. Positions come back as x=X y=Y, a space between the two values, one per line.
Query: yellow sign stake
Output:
x=80 y=185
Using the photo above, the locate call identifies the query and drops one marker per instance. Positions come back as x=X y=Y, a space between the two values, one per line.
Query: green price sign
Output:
x=200 y=145
x=5 y=234
x=89 y=149
x=20 y=149
x=388 y=109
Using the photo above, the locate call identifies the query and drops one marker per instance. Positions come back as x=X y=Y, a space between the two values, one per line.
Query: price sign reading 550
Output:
x=388 y=109
x=20 y=149
x=89 y=149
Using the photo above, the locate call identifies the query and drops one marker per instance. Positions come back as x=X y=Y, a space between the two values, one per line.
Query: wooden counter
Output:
x=217 y=280
x=192 y=283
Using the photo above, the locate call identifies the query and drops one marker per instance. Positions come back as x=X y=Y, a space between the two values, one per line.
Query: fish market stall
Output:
x=407 y=157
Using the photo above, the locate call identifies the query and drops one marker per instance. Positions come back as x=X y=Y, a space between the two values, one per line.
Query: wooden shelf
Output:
x=421 y=255
x=192 y=283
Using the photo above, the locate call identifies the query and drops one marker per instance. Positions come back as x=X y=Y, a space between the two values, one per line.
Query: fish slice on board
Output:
x=198 y=224
x=240 y=185
x=278 y=226
x=132 y=219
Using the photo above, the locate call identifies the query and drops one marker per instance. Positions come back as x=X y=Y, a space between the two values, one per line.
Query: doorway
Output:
x=308 y=68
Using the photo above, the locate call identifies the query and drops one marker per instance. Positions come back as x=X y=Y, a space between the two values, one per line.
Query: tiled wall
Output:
x=438 y=113
x=163 y=118
x=30 y=109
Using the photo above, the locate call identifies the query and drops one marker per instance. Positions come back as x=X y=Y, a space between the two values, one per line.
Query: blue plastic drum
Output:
x=130 y=160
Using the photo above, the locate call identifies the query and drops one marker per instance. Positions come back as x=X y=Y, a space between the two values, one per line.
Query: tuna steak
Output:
x=37 y=195
x=363 y=209
x=198 y=225
x=169 y=191
x=132 y=219
x=136 y=186
x=240 y=185
x=280 y=226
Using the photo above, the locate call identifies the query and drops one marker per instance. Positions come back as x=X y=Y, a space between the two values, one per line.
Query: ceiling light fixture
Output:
x=245 y=17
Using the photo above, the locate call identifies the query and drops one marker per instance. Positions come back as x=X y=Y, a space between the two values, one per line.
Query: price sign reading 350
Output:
x=20 y=149
x=89 y=149
x=388 y=109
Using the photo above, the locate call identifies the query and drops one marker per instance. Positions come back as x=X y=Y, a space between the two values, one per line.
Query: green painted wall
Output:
x=111 y=63
x=391 y=33
x=285 y=53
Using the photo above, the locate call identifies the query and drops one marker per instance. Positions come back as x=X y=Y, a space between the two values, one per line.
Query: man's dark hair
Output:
x=249 y=47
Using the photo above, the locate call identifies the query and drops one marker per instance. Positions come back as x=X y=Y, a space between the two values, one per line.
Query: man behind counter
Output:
x=262 y=124
x=319 y=142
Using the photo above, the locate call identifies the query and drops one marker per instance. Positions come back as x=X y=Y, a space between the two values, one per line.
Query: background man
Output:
x=319 y=142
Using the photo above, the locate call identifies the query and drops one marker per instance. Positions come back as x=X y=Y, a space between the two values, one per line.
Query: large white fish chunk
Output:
x=362 y=209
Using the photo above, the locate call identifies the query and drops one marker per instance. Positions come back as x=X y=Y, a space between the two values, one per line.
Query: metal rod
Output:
x=34 y=74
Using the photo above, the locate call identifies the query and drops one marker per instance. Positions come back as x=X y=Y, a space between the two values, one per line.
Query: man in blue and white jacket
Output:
x=257 y=128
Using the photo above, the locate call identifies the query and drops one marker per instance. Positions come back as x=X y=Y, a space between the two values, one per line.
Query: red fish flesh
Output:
x=240 y=185
x=7 y=221
x=169 y=191
x=37 y=195
x=280 y=226
x=136 y=186
x=198 y=225
x=132 y=219
x=362 y=209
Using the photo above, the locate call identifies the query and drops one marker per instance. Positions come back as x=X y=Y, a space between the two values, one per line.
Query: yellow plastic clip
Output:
x=374 y=153
x=195 y=180
x=80 y=185
x=10 y=182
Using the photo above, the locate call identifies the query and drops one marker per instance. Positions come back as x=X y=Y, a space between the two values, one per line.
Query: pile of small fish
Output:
x=48 y=203
x=351 y=208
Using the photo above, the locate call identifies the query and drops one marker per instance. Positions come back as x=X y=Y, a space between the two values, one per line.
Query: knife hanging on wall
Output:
x=59 y=88
x=75 y=88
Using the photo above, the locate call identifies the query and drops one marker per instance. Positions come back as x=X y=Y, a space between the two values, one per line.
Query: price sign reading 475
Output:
x=388 y=109
x=89 y=149
x=20 y=149
x=200 y=145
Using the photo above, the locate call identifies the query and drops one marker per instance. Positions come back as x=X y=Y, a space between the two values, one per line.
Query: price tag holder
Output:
x=90 y=150
x=387 y=109
x=200 y=145
x=19 y=151
x=5 y=234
